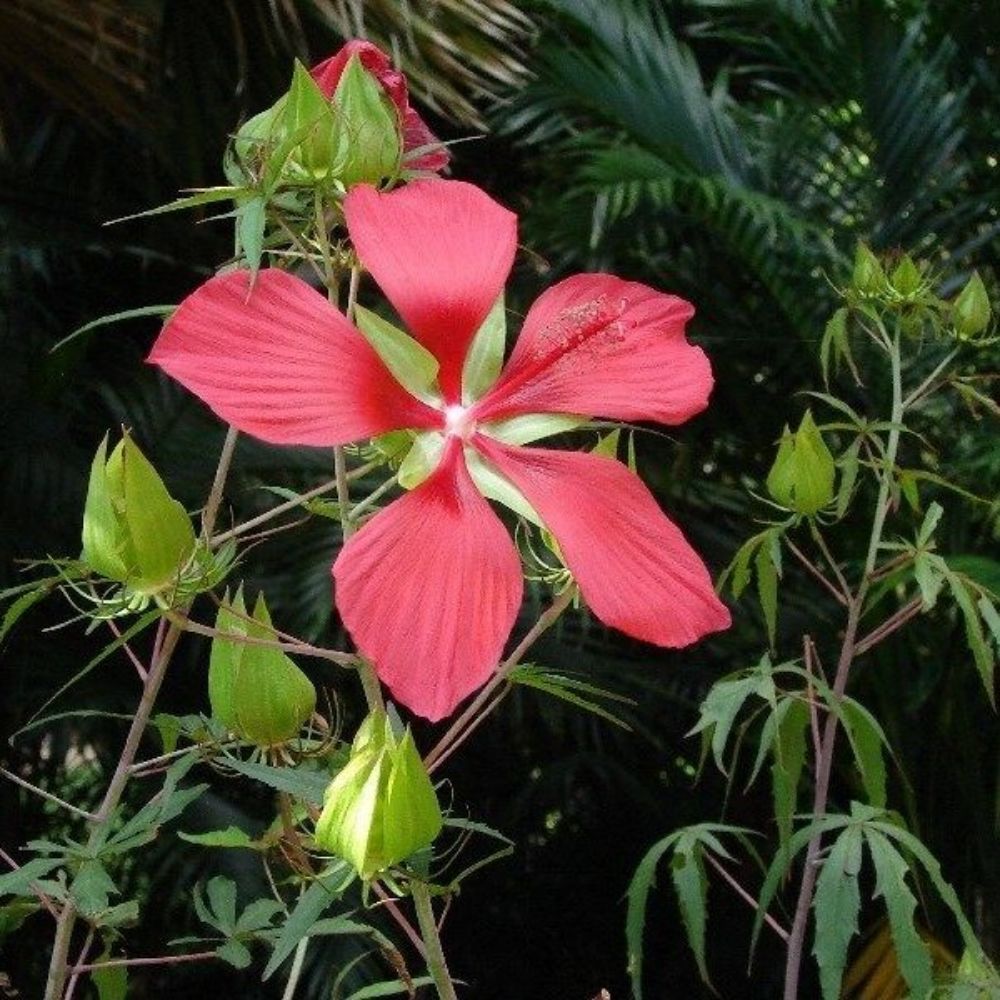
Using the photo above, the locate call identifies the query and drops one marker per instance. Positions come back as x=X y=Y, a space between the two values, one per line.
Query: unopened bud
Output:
x=801 y=478
x=381 y=807
x=970 y=312
x=134 y=532
x=255 y=690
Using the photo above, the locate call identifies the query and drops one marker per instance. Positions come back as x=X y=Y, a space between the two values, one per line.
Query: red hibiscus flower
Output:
x=430 y=587
x=416 y=134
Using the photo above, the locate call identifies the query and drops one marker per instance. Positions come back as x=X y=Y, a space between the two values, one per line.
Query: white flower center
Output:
x=457 y=422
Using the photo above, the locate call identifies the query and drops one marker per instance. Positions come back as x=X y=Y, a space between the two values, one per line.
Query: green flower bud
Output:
x=381 y=807
x=868 y=277
x=133 y=530
x=369 y=141
x=906 y=278
x=256 y=692
x=801 y=478
x=970 y=312
x=303 y=139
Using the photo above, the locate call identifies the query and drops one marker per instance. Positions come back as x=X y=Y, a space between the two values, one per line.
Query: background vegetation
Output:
x=733 y=152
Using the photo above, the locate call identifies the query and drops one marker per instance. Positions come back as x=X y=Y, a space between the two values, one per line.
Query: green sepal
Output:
x=421 y=460
x=103 y=535
x=411 y=364
x=530 y=427
x=369 y=132
x=485 y=358
x=307 y=116
x=496 y=486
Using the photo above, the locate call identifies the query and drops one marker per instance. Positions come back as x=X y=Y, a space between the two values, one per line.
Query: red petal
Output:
x=441 y=251
x=600 y=346
x=280 y=363
x=430 y=589
x=416 y=134
x=634 y=567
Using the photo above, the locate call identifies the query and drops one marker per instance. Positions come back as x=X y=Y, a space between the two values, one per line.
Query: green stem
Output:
x=298 y=962
x=436 y=963
x=848 y=653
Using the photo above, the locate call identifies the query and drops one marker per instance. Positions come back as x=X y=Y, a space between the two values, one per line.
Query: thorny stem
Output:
x=164 y=644
x=848 y=652
x=545 y=620
x=436 y=964
x=44 y=794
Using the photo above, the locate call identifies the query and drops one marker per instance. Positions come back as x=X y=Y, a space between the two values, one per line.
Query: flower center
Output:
x=458 y=423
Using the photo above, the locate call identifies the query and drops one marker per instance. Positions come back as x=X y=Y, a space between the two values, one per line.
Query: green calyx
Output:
x=305 y=140
x=802 y=476
x=381 y=808
x=970 y=312
x=134 y=532
x=255 y=691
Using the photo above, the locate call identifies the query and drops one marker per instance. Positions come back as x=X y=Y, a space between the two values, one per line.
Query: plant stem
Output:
x=848 y=651
x=298 y=961
x=77 y=971
x=44 y=794
x=744 y=895
x=545 y=620
x=197 y=956
x=436 y=964
x=163 y=648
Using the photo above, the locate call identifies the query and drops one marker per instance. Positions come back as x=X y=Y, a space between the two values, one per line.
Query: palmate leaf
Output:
x=891 y=870
x=570 y=689
x=687 y=848
x=836 y=905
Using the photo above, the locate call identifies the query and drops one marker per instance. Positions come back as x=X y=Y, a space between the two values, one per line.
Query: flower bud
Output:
x=256 y=691
x=381 y=807
x=906 y=278
x=134 y=532
x=970 y=312
x=801 y=478
x=308 y=139
x=868 y=277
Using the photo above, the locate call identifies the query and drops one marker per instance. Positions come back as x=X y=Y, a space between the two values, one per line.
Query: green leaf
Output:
x=849 y=465
x=202 y=196
x=18 y=882
x=569 y=689
x=767 y=589
x=161 y=312
x=836 y=906
x=890 y=883
x=111 y=982
x=222 y=900
x=485 y=357
x=325 y=890
x=976 y=638
x=91 y=888
x=258 y=915
x=929 y=579
x=789 y=754
x=232 y=836
x=297 y=781
x=867 y=739
x=990 y=616
x=390 y=988
x=687 y=873
x=412 y=365
x=251 y=218
x=930 y=523
x=234 y=953
x=23 y=604
x=530 y=427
